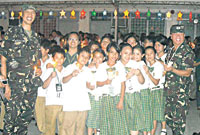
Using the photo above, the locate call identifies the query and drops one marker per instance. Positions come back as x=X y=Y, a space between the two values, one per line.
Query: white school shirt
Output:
x=119 y=75
x=157 y=73
x=41 y=91
x=92 y=77
x=162 y=58
x=76 y=96
x=132 y=84
x=51 y=94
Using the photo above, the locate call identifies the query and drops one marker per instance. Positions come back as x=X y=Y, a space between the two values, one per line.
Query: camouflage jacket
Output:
x=22 y=53
x=181 y=59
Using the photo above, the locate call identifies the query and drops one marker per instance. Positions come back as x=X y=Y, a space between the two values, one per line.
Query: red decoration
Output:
x=190 y=16
x=83 y=14
x=137 y=14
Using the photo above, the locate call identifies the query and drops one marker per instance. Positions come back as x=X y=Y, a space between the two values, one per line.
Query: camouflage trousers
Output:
x=176 y=109
x=19 y=110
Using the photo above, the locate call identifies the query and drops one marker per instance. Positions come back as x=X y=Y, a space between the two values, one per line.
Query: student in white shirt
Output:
x=111 y=78
x=155 y=72
x=76 y=99
x=95 y=94
x=40 y=101
x=54 y=93
x=160 y=46
x=138 y=95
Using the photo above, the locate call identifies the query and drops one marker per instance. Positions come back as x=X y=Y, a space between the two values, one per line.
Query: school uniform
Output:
x=157 y=71
x=138 y=100
x=40 y=101
x=93 y=118
x=112 y=120
x=76 y=102
x=53 y=109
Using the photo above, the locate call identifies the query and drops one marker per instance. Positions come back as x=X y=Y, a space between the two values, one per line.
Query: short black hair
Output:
x=150 y=47
x=73 y=32
x=84 y=49
x=58 y=50
x=94 y=43
x=140 y=48
x=161 y=39
x=123 y=44
x=99 y=50
x=114 y=45
x=46 y=44
x=106 y=36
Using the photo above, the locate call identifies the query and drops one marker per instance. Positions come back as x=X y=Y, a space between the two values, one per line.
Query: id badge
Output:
x=58 y=87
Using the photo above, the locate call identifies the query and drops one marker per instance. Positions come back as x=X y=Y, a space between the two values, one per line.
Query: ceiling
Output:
x=189 y=4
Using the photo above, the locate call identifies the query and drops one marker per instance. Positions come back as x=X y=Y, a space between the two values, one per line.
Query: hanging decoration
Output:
x=137 y=14
x=82 y=16
x=73 y=14
x=3 y=15
x=41 y=14
x=168 y=15
x=20 y=15
x=190 y=16
x=12 y=14
x=115 y=14
x=159 y=15
x=126 y=14
x=148 y=15
x=62 y=14
x=104 y=14
x=94 y=13
x=50 y=14
x=180 y=16
x=196 y=21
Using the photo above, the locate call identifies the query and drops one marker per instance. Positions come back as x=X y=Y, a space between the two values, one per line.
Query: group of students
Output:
x=112 y=89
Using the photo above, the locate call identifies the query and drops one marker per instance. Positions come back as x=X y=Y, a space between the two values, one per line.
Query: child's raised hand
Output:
x=168 y=68
x=75 y=73
x=137 y=72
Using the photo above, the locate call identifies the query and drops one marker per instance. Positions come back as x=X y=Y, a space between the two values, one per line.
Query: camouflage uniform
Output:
x=177 y=89
x=22 y=52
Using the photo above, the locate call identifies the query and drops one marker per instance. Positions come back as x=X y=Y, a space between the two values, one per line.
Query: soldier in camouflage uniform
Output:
x=20 y=50
x=176 y=88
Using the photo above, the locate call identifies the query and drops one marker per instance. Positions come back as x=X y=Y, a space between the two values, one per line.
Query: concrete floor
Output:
x=193 y=123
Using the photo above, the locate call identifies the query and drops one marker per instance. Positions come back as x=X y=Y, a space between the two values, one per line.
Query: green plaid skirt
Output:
x=93 y=118
x=134 y=111
x=158 y=105
x=139 y=110
x=112 y=120
x=146 y=109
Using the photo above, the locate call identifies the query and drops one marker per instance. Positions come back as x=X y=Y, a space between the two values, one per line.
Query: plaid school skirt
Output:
x=112 y=120
x=139 y=111
x=158 y=105
x=93 y=118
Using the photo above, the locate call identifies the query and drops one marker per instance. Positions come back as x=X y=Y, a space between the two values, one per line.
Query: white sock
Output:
x=165 y=130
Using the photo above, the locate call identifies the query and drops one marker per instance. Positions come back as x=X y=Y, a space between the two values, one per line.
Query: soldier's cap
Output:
x=25 y=7
x=177 y=29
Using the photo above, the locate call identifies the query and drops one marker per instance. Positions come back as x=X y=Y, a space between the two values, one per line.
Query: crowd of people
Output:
x=80 y=80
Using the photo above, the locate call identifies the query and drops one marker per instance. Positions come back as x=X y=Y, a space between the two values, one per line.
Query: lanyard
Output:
x=170 y=58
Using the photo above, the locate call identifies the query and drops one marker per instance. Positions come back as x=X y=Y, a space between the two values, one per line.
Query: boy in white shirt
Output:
x=40 y=101
x=54 y=87
x=76 y=99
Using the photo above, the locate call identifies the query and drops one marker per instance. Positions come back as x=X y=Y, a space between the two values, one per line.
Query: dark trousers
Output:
x=19 y=111
x=176 y=109
x=198 y=94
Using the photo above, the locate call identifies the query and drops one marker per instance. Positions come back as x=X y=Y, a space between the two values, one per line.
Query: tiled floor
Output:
x=193 y=123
